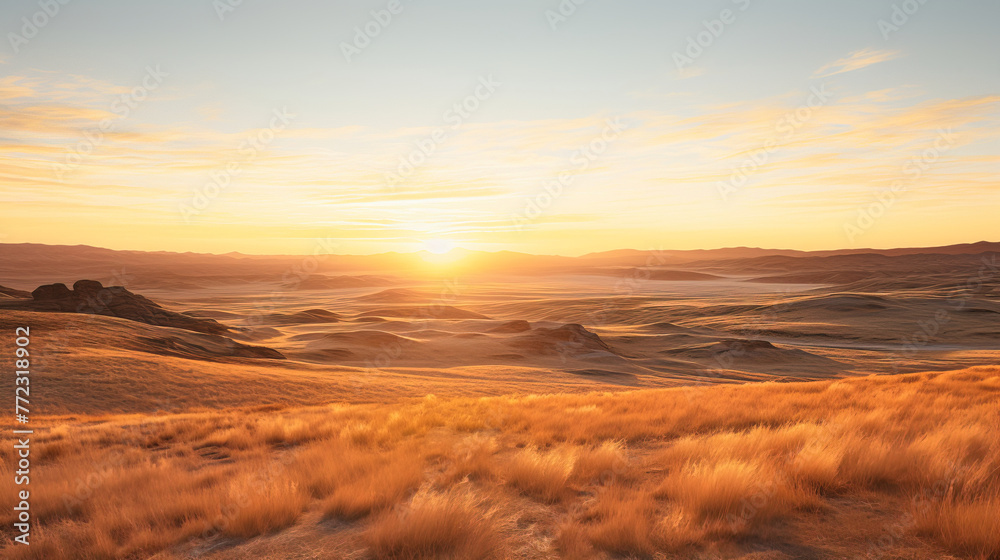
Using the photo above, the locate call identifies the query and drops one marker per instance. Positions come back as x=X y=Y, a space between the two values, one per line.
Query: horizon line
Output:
x=462 y=249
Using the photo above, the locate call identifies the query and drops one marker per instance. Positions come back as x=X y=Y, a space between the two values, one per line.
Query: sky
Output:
x=541 y=126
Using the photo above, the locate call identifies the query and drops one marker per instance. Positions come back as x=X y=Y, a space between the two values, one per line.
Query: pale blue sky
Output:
x=609 y=57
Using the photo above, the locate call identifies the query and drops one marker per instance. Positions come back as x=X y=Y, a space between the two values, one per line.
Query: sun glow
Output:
x=438 y=246
x=441 y=252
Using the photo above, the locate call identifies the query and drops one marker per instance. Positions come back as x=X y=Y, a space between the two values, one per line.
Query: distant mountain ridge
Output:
x=752 y=252
x=27 y=265
x=41 y=250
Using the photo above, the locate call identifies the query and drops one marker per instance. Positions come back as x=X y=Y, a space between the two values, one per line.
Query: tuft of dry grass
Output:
x=261 y=505
x=380 y=487
x=572 y=542
x=473 y=458
x=541 y=475
x=968 y=527
x=601 y=463
x=439 y=527
x=735 y=495
x=621 y=521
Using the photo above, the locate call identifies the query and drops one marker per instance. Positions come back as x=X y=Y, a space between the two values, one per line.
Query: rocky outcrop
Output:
x=89 y=296
x=51 y=292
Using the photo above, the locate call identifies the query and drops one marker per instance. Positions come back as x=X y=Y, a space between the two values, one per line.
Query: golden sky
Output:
x=858 y=149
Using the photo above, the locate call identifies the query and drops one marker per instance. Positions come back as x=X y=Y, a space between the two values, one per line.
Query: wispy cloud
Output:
x=856 y=61
x=691 y=72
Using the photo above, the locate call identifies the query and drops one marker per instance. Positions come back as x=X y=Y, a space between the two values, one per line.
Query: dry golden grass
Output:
x=379 y=487
x=262 y=506
x=574 y=476
x=737 y=496
x=541 y=475
x=601 y=463
x=473 y=458
x=437 y=527
x=971 y=527
x=621 y=521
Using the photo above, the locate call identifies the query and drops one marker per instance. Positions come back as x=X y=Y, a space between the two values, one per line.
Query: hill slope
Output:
x=888 y=467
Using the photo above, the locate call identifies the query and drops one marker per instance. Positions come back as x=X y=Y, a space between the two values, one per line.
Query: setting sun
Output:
x=438 y=246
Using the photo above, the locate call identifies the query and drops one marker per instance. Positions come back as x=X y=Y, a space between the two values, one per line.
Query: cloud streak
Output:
x=856 y=61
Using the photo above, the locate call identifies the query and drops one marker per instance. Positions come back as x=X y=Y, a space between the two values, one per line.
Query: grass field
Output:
x=876 y=467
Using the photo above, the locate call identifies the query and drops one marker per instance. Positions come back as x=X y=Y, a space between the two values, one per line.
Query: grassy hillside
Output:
x=877 y=467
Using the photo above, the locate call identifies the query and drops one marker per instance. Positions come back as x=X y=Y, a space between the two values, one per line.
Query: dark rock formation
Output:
x=89 y=296
x=51 y=292
x=87 y=287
